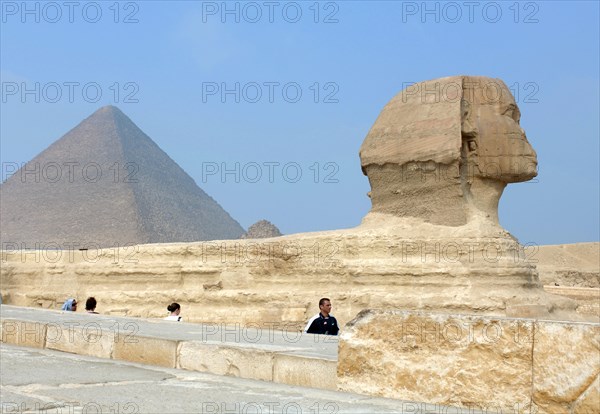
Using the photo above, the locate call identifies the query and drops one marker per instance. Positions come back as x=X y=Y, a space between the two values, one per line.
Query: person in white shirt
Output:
x=175 y=309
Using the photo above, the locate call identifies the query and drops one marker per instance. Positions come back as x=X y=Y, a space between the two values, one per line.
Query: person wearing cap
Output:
x=323 y=323
x=70 y=305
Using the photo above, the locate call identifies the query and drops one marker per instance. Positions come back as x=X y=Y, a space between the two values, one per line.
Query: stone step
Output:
x=261 y=353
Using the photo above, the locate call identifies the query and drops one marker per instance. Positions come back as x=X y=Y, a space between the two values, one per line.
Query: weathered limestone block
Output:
x=589 y=402
x=488 y=364
x=566 y=365
x=23 y=333
x=149 y=351
x=458 y=360
x=89 y=339
x=304 y=371
x=249 y=363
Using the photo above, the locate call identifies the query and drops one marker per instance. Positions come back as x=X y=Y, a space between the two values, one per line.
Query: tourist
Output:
x=70 y=305
x=175 y=309
x=323 y=323
x=90 y=305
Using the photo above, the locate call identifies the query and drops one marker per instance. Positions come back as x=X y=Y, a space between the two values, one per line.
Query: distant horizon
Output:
x=267 y=117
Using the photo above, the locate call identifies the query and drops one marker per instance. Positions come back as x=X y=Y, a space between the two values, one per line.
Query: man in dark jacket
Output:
x=323 y=323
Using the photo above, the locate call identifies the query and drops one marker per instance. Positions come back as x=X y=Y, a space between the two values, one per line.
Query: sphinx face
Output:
x=495 y=142
x=444 y=150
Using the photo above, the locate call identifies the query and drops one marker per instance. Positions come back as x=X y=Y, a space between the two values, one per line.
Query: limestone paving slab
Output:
x=53 y=368
x=10 y=401
x=109 y=386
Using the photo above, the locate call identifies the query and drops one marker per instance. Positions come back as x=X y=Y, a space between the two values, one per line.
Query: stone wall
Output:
x=388 y=263
x=483 y=363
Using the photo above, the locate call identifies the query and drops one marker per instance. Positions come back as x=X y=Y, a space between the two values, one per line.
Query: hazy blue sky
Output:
x=348 y=59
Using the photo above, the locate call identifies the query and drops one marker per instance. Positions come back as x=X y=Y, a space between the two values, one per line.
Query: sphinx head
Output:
x=443 y=150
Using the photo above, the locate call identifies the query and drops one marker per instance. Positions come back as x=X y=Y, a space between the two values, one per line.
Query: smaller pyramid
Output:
x=106 y=183
x=262 y=229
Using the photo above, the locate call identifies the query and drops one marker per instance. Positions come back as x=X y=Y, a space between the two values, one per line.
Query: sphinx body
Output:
x=438 y=158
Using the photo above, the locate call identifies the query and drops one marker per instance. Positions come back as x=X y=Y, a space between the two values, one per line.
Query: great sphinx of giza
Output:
x=438 y=158
x=443 y=151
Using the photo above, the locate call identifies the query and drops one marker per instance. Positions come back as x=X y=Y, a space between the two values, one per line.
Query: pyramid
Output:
x=103 y=184
x=262 y=229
